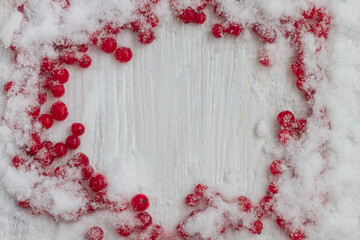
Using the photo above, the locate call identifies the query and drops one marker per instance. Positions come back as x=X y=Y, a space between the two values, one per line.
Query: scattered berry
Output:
x=140 y=202
x=192 y=200
x=77 y=129
x=72 y=142
x=123 y=54
x=59 y=111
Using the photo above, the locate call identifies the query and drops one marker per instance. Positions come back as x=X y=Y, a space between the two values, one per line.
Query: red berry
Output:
x=286 y=119
x=297 y=235
x=124 y=230
x=153 y=20
x=58 y=90
x=42 y=97
x=297 y=69
x=140 y=202
x=48 y=145
x=285 y=135
x=267 y=35
x=257 y=227
x=276 y=168
x=44 y=157
x=46 y=121
x=188 y=15
x=182 y=231
x=84 y=61
x=300 y=125
x=192 y=200
x=155 y=232
x=18 y=161
x=24 y=204
x=267 y=204
x=34 y=112
x=310 y=12
x=200 y=189
x=200 y=18
x=318 y=30
x=8 y=86
x=234 y=29
x=87 y=172
x=77 y=129
x=95 y=233
x=282 y=223
x=136 y=25
x=218 y=30
x=144 y=220
x=202 y=6
x=244 y=204
x=47 y=65
x=108 y=45
x=264 y=59
x=79 y=159
x=60 y=149
x=300 y=83
x=59 y=111
x=112 y=28
x=34 y=145
x=98 y=183
x=123 y=54
x=72 y=142
x=273 y=189
x=60 y=171
x=60 y=74
x=69 y=58
x=146 y=37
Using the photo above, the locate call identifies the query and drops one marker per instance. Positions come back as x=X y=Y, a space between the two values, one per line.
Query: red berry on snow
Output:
x=267 y=35
x=46 y=121
x=98 y=183
x=112 y=28
x=124 y=230
x=234 y=29
x=244 y=203
x=108 y=45
x=202 y=6
x=61 y=75
x=44 y=157
x=155 y=232
x=24 y=204
x=95 y=233
x=47 y=65
x=146 y=37
x=140 y=202
x=144 y=220
x=200 y=189
x=79 y=159
x=18 y=161
x=60 y=149
x=84 y=61
x=87 y=172
x=318 y=30
x=297 y=235
x=42 y=97
x=300 y=83
x=188 y=15
x=267 y=204
x=310 y=12
x=8 y=86
x=200 y=18
x=218 y=11
x=282 y=223
x=257 y=227
x=77 y=129
x=123 y=54
x=35 y=144
x=181 y=230
x=136 y=25
x=82 y=48
x=286 y=119
x=273 y=189
x=264 y=59
x=59 y=111
x=218 y=30
x=60 y=171
x=69 y=58
x=192 y=200
x=152 y=19
x=58 y=90
x=72 y=142
x=300 y=125
x=285 y=135
x=276 y=168
x=297 y=69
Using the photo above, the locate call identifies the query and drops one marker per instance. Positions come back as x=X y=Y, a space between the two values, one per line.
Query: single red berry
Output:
x=286 y=119
x=152 y=19
x=188 y=15
x=87 y=172
x=58 y=90
x=200 y=18
x=266 y=34
x=144 y=220
x=297 y=235
x=24 y=204
x=73 y=142
x=146 y=37
x=84 y=61
x=322 y=16
x=60 y=149
x=59 y=111
x=300 y=125
x=34 y=112
x=285 y=135
x=155 y=232
x=95 y=233
x=60 y=74
x=45 y=157
x=200 y=189
x=273 y=189
x=77 y=129
x=264 y=59
x=124 y=230
x=46 y=121
x=140 y=202
x=136 y=25
x=98 y=183
x=18 y=161
x=282 y=223
x=42 y=97
x=108 y=45
x=234 y=29
x=192 y=200
x=267 y=204
x=34 y=145
x=182 y=231
x=310 y=12
x=69 y=58
x=257 y=227
x=79 y=159
x=8 y=86
x=276 y=168
x=123 y=54
x=47 y=65
x=244 y=204
x=218 y=30
x=297 y=69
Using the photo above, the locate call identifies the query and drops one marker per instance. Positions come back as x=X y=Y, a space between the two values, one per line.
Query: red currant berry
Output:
x=297 y=235
x=98 y=183
x=300 y=125
x=192 y=200
x=46 y=121
x=58 y=90
x=286 y=119
x=153 y=20
x=47 y=65
x=285 y=135
x=218 y=30
x=60 y=149
x=87 y=172
x=79 y=159
x=282 y=224
x=155 y=232
x=244 y=204
x=257 y=227
x=108 y=45
x=61 y=75
x=124 y=230
x=273 y=189
x=140 y=202
x=200 y=189
x=200 y=18
x=217 y=10
x=234 y=29
x=60 y=171
x=144 y=219
x=59 y=111
x=267 y=204
x=8 y=86
x=188 y=15
x=276 y=168
x=42 y=97
x=264 y=59
x=44 y=157
x=318 y=30
x=112 y=28
x=84 y=61
x=18 y=161
x=35 y=144
x=34 y=112
x=310 y=12
x=297 y=69
x=136 y=25
x=24 y=204
x=123 y=54
x=95 y=233
x=69 y=58
x=72 y=142
x=146 y=37
x=82 y=48
x=182 y=231
x=202 y=6
x=77 y=129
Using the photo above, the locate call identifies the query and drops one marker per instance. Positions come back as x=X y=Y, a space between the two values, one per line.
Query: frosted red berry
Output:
x=297 y=235
x=87 y=172
x=123 y=54
x=318 y=30
x=84 y=61
x=69 y=58
x=218 y=30
x=267 y=204
x=58 y=90
x=34 y=112
x=182 y=231
x=18 y=161
x=144 y=220
x=264 y=59
x=59 y=111
x=155 y=232
x=256 y=227
x=44 y=157
x=146 y=37
x=95 y=233
x=200 y=18
x=282 y=224
x=310 y=12
x=200 y=189
x=77 y=129
x=286 y=119
x=300 y=125
x=192 y=200
x=73 y=142
x=298 y=69
x=34 y=145
x=188 y=15
x=217 y=10
x=47 y=65
x=42 y=97
x=79 y=159
x=285 y=136
x=60 y=149
x=98 y=183
x=108 y=45
x=244 y=204
x=276 y=168
x=234 y=29
x=24 y=204
x=46 y=121
x=8 y=86
x=140 y=202
x=273 y=189
x=124 y=230
x=60 y=74
x=60 y=171
x=152 y=19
